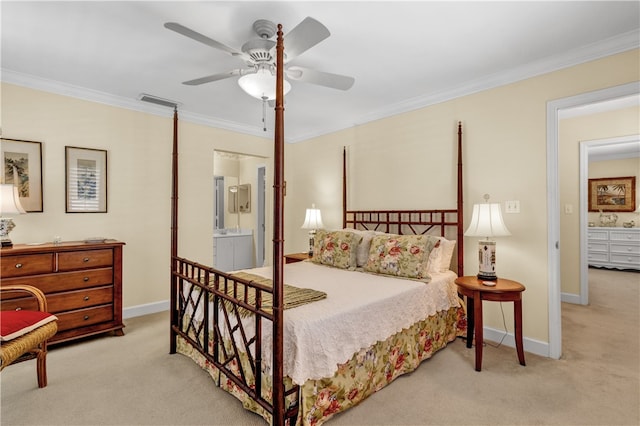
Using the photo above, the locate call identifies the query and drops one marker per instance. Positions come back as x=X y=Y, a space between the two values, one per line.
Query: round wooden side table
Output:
x=503 y=291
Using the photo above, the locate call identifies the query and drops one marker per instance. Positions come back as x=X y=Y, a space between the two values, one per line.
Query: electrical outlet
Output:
x=568 y=209
x=512 y=206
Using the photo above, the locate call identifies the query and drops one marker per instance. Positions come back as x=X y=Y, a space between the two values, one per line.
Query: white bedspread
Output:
x=360 y=310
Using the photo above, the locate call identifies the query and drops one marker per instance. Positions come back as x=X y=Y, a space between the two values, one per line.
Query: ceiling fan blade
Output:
x=304 y=36
x=187 y=32
x=307 y=75
x=215 y=77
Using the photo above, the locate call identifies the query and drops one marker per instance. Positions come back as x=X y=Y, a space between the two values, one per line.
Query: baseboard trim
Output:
x=146 y=309
x=571 y=298
x=530 y=345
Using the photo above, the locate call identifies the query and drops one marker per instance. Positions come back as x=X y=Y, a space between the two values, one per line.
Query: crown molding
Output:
x=600 y=49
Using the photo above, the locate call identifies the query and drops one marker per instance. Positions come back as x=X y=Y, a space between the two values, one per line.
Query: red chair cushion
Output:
x=17 y=323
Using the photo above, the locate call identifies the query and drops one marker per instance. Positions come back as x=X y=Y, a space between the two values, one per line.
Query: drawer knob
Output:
x=85 y=279
x=86 y=259
x=18 y=265
x=86 y=317
x=86 y=298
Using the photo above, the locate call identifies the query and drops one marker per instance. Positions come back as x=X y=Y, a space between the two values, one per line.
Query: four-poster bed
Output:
x=344 y=337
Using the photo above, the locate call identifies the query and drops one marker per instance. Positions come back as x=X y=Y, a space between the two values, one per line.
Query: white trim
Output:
x=585 y=147
x=530 y=345
x=553 y=209
x=575 y=299
x=146 y=309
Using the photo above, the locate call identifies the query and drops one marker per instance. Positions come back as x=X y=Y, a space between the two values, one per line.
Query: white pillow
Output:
x=440 y=257
x=362 y=252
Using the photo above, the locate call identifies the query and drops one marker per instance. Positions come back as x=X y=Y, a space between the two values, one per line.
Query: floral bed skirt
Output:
x=368 y=371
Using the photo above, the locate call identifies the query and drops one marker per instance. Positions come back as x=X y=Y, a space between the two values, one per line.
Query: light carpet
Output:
x=132 y=380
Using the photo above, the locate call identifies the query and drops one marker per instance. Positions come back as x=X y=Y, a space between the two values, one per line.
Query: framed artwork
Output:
x=86 y=180
x=22 y=166
x=617 y=194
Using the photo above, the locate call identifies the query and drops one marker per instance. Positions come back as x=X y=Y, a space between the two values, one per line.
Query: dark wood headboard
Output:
x=446 y=223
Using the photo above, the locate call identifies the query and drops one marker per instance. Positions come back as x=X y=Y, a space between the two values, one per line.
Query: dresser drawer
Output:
x=598 y=257
x=69 y=261
x=624 y=236
x=597 y=234
x=52 y=283
x=79 y=299
x=625 y=260
x=598 y=246
x=625 y=248
x=84 y=317
x=28 y=264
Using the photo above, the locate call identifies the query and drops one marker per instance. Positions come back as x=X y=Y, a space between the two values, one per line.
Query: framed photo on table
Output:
x=616 y=194
x=22 y=166
x=86 y=180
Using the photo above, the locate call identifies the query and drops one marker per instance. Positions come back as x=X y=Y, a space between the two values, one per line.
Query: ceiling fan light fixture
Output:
x=261 y=84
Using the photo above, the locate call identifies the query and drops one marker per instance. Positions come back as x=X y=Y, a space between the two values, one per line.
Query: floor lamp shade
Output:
x=487 y=222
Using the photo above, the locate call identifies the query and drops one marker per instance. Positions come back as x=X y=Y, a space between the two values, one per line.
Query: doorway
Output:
x=553 y=199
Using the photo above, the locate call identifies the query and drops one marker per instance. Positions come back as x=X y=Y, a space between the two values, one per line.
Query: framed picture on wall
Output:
x=86 y=180
x=22 y=166
x=616 y=194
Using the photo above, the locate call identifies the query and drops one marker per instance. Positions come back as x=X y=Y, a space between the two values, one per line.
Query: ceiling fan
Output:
x=258 y=77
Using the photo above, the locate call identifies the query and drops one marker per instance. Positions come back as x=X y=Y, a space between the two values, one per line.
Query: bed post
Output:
x=278 y=240
x=344 y=187
x=460 y=206
x=174 y=231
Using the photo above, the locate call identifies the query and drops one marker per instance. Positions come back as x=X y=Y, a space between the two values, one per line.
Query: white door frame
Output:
x=585 y=146
x=553 y=200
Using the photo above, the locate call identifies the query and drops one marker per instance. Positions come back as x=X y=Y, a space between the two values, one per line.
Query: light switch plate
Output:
x=512 y=206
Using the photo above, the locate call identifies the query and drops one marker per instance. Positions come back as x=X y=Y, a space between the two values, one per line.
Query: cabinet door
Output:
x=243 y=252
x=224 y=254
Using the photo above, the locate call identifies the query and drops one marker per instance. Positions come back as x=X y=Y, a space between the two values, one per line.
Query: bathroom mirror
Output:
x=240 y=198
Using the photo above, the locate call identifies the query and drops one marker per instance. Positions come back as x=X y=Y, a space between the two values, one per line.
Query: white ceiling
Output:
x=403 y=55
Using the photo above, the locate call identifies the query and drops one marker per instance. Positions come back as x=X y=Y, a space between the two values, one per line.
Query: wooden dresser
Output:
x=82 y=283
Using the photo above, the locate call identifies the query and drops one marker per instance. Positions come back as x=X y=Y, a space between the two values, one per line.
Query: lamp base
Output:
x=486 y=277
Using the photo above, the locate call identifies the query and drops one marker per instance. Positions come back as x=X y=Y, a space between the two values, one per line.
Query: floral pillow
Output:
x=336 y=248
x=400 y=255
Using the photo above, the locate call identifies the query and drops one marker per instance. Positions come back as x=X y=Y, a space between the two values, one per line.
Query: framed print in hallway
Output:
x=86 y=180
x=22 y=166
x=616 y=194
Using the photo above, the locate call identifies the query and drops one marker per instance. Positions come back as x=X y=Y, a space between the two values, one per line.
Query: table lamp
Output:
x=312 y=222
x=9 y=206
x=487 y=222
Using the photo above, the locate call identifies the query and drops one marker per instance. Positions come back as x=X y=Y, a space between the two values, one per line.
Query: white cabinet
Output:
x=614 y=247
x=233 y=251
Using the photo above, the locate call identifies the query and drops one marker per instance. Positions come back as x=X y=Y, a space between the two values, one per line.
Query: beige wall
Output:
x=408 y=161
x=405 y=161
x=139 y=176
x=572 y=132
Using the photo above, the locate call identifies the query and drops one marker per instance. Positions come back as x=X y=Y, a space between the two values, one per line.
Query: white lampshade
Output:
x=313 y=219
x=9 y=206
x=262 y=84
x=10 y=200
x=486 y=221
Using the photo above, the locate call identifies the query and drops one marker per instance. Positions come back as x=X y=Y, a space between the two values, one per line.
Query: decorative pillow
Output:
x=336 y=248
x=18 y=323
x=446 y=247
x=362 y=252
x=400 y=255
x=440 y=256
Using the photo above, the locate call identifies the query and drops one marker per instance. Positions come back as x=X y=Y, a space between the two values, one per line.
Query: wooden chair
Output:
x=29 y=339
